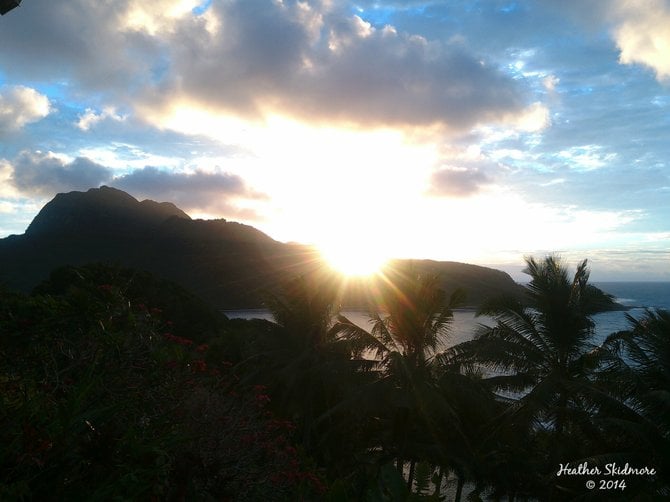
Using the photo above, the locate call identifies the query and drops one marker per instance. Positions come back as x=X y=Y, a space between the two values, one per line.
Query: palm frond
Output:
x=359 y=339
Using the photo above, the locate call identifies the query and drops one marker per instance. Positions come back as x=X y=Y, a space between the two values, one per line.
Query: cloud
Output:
x=458 y=181
x=6 y=187
x=311 y=60
x=323 y=64
x=75 y=40
x=197 y=190
x=44 y=174
x=642 y=33
x=640 y=28
x=90 y=118
x=19 y=106
x=586 y=157
x=534 y=118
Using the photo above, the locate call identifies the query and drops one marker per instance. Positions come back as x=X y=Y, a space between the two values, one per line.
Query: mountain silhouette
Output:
x=100 y=211
x=228 y=264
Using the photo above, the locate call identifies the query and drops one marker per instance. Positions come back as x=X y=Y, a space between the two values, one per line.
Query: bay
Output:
x=636 y=297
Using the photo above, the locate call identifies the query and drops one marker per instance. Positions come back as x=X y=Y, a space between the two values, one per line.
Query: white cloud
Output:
x=586 y=157
x=124 y=157
x=90 y=118
x=642 y=32
x=6 y=187
x=19 y=106
x=534 y=118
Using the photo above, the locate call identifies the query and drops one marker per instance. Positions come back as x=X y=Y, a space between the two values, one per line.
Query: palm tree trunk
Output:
x=561 y=412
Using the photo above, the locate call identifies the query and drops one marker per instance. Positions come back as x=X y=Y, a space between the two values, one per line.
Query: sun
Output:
x=354 y=261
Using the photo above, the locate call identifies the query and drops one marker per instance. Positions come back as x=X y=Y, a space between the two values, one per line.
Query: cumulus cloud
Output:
x=642 y=32
x=322 y=63
x=198 y=190
x=44 y=174
x=640 y=28
x=19 y=106
x=313 y=60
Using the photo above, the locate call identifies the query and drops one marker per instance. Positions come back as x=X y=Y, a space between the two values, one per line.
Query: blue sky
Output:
x=475 y=131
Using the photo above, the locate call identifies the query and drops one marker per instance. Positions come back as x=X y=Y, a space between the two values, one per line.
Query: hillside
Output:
x=229 y=264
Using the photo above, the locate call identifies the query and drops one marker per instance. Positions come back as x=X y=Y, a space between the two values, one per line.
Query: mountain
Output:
x=100 y=211
x=229 y=264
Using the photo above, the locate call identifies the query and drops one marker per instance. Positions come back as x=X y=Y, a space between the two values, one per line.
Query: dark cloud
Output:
x=45 y=175
x=199 y=190
x=78 y=41
x=330 y=65
x=307 y=59
x=40 y=174
x=457 y=181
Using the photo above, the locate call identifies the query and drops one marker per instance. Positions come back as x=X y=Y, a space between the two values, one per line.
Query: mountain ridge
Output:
x=96 y=209
x=229 y=264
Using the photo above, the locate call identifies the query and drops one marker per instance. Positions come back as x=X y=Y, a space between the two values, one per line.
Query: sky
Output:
x=473 y=131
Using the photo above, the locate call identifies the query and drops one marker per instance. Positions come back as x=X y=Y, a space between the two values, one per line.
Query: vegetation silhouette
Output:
x=100 y=400
x=637 y=378
x=409 y=323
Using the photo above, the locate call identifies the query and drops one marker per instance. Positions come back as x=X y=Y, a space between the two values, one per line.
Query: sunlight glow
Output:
x=354 y=260
x=360 y=196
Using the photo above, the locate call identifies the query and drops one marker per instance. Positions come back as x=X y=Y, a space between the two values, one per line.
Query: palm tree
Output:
x=309 y=370
x=638 y=376
x=414 y=321
x=409 y=324
x=542 y=353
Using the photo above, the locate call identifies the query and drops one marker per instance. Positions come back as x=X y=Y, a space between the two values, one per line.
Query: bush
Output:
x=100 y=401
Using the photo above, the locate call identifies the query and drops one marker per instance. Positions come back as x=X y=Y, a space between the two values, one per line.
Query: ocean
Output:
x=635 y=296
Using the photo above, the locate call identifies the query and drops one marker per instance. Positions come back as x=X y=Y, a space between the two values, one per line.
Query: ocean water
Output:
x=635 y=296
